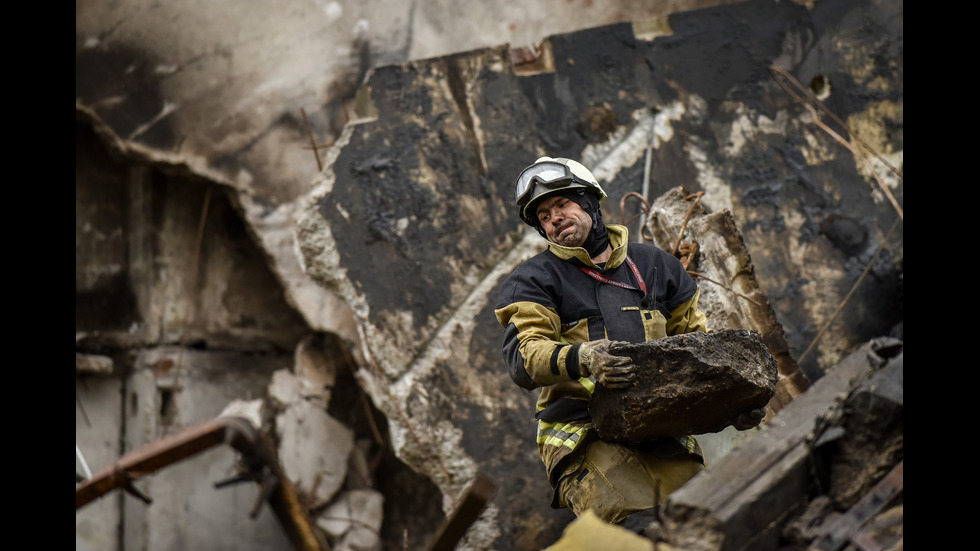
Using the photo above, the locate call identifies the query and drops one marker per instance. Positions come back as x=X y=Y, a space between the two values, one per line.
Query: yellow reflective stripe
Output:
x=588 y=384
x=559 y=434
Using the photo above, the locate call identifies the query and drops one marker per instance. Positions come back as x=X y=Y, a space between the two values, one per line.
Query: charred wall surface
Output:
x=800 y=197
x=433 y=165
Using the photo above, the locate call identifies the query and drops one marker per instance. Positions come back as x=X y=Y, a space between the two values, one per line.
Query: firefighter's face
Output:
x=564 y=221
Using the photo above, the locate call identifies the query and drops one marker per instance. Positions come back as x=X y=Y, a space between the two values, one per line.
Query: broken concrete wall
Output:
x=161 y=260
x=178 y=316
x=169 y=387
x=182 y=342
x=409 y=225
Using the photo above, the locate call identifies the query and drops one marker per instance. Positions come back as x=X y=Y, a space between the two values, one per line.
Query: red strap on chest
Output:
x=599 y=277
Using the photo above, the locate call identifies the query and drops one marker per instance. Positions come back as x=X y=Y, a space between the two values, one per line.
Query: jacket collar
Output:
x=618 y=238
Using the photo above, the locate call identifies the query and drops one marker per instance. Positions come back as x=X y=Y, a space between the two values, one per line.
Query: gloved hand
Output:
x=609 y=370
x=749 y=419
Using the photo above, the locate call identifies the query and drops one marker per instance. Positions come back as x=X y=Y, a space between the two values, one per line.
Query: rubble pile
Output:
x=824 y=473
x=324 y=462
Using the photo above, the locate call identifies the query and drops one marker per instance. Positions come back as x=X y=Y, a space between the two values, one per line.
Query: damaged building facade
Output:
x=324 y=263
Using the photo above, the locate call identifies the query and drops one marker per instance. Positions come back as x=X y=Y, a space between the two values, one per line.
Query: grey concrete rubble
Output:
x=353 y=520
x=320 y=455
x=253 y=410
x=93 y=363
x=693 y=383
x=313 y=448
x=313 y=371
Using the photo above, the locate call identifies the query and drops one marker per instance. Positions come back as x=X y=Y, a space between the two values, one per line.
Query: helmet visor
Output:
x=548 y=174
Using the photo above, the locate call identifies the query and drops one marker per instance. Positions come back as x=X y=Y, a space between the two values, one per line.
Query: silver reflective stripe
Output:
x=559 y=434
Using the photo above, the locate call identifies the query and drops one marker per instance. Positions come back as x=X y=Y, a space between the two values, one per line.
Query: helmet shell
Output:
x=579 y=177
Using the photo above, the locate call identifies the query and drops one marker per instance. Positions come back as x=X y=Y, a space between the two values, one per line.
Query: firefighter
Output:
x=563 y=311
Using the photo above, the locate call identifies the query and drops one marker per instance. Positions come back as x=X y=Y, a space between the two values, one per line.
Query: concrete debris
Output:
x=353 y=520
x=359 y=472
x=693 y=383
x=285 y=389
x=808 y=526
x=93 y=363
x=315 y=371
x=314 y=449
x=872 y=441
x=320 y=456
x=782 y=487
x=253 y=410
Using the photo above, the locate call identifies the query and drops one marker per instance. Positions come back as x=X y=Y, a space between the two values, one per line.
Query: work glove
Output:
x=749 y=419
x=609 y=370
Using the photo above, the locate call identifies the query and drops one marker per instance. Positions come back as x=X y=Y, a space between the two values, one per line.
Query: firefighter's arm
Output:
x=688 y=318
x=532 y=346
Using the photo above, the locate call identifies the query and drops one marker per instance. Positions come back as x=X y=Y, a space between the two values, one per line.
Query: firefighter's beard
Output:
x=571 y=233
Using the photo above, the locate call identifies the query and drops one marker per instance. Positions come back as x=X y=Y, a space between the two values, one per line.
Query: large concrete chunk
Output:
x=694 y=383
x=314 y=448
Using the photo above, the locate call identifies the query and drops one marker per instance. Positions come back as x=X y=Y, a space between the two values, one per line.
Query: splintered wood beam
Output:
x=871 y=504
x=469 y=509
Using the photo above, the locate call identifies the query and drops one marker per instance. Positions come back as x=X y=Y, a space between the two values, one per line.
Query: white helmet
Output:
x=550 y=175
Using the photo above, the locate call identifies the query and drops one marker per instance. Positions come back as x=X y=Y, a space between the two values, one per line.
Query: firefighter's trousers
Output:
x=615 y=480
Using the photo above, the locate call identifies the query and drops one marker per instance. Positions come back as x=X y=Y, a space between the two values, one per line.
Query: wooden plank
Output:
x=467 y=511
x=867 y=507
